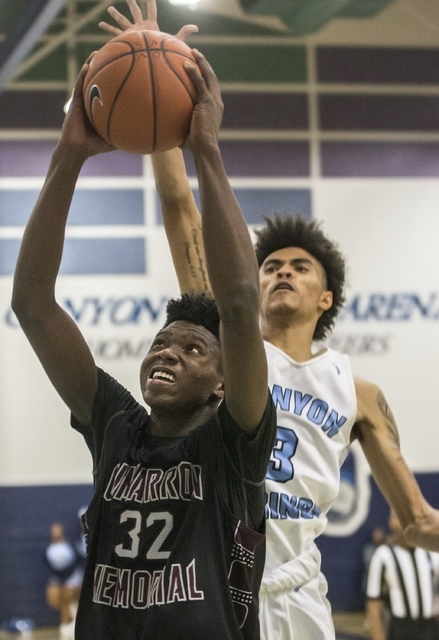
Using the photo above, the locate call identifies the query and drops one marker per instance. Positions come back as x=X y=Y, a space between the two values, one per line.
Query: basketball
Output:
x=137 y=93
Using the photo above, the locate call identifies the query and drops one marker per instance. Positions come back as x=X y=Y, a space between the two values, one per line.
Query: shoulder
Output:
x=365 y=389
x=375 y=426
x=223 y=415
x=110 y=389
x=111 y=398
x=370 y=400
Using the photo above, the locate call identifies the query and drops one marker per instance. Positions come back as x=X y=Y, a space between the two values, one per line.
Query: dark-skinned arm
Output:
x=52 y=333
x=378 y=435
x=54 y=336
x=231 y=261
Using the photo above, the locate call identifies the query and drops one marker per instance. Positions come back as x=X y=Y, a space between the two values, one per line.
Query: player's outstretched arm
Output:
x=377 y=433
x=181 y=218
x=231 y=261
x=52 y=333
x=182 y=221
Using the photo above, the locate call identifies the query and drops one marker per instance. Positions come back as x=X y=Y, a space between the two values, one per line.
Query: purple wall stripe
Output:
x=379 y=160
x=32 y=158
x=349 y=112
x=265 y=111
x=44 y=110
x=24 y=158
x=32 y=109
x=262 y=159
x=116 y=163
x=380 y=65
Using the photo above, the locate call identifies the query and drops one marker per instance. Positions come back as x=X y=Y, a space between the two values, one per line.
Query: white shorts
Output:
x=302 y=614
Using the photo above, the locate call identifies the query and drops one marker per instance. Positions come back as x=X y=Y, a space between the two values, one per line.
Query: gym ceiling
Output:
x=44 y=42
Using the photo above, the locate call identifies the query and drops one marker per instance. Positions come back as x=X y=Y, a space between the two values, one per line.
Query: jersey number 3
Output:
x=281 y=468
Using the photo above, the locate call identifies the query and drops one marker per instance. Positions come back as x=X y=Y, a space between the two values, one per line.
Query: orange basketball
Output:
x=137 y=93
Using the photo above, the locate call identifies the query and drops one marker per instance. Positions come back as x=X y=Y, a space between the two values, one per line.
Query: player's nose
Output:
x=285 y=271
x=168 y=353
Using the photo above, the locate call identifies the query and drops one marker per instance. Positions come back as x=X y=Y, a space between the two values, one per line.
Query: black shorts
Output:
x=408 y=629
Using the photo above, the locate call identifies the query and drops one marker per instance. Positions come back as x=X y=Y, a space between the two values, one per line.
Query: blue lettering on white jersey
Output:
x=318 y=411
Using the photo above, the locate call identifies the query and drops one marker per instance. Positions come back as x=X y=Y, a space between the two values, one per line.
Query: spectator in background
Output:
x=404 y=579
x=64 y=584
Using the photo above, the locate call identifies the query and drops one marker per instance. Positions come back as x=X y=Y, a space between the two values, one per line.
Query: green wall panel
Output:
x=252 y=63
x=244 y=63
x=52 y=67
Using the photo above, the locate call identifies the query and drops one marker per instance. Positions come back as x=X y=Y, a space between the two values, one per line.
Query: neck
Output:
x=169 y=425
x=294 y=339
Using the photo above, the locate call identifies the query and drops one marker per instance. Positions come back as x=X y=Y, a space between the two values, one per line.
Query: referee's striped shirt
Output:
x=407 y=578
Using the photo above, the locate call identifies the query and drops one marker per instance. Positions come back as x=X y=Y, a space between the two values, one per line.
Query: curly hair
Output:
x=198 y=309
x=293 y=231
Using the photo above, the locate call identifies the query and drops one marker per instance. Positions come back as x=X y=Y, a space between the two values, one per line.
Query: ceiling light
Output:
x=190 y=3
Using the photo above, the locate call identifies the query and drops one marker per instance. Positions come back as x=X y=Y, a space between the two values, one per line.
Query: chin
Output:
x=281 y=308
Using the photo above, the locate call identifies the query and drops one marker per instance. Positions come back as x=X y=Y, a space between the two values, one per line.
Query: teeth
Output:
x=163 y=374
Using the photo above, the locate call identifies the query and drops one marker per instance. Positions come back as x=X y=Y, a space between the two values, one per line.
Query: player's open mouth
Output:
x=283 y=285
x=163 y=376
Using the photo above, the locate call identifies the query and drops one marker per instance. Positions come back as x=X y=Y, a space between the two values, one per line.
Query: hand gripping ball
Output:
x=137 y=93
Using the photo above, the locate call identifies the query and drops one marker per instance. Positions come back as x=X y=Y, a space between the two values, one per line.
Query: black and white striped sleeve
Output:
x=375 y=575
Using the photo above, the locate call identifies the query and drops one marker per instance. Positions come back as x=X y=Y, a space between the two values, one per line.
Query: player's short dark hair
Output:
x=196 y=308
x=293 y=231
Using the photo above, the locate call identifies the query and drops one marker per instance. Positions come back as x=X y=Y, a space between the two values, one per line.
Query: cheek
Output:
x=315 y=287
x=262 y=289
x=143 y=368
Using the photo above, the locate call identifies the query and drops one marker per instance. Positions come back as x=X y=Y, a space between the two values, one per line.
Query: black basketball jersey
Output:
x=176 y=527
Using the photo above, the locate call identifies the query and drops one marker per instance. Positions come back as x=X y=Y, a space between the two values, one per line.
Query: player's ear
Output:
x=326 y=300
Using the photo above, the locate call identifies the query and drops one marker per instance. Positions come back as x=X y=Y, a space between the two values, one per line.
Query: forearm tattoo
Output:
x=201 y=267
x=199 y=261
x=390 y=420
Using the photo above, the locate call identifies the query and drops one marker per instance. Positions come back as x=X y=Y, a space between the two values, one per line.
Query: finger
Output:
x=119 y=18
x=77 y=91
x=186 y=31
x=207 y=72
x=151 y=10
x=135 y=10
x=90 y=57
x=110 y=29
x=196 y=77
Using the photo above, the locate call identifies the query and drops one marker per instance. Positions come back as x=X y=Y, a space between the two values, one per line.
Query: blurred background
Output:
x=332 y=112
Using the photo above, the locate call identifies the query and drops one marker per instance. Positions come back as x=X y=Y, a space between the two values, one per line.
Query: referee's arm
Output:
x=374 y=617
x=374 y=602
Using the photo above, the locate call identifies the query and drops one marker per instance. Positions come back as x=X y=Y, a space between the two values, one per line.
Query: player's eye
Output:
x=159 y=343
x=194 y=349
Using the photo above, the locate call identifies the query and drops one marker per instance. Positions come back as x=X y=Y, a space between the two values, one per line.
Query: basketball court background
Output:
x=341 y=126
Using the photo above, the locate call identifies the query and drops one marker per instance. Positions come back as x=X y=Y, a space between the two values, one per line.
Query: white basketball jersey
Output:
x=316 y=409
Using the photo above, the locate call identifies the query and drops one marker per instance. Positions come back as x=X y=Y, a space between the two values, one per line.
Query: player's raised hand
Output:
x=77 y=129
x=139 y=23
x=208 y=111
